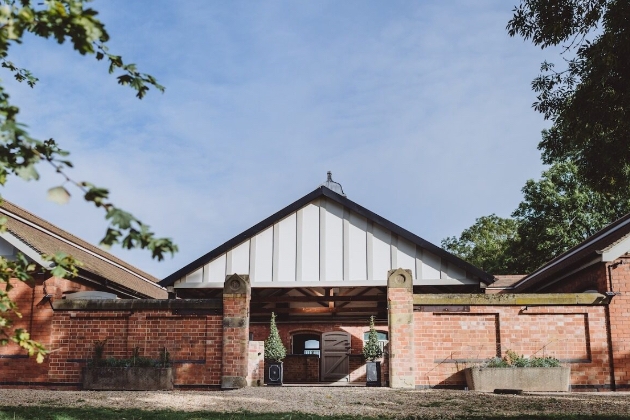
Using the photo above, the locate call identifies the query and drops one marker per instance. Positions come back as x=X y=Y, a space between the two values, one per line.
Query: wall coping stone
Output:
x=135 y=304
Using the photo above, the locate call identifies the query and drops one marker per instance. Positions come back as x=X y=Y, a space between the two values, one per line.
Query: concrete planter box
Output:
x=527 y=379
x=128 y=379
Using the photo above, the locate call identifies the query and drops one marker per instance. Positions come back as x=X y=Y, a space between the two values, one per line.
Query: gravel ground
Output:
x=357 y=401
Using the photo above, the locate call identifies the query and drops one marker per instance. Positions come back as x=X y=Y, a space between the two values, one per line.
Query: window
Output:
x=306 y=343
x=383 y=338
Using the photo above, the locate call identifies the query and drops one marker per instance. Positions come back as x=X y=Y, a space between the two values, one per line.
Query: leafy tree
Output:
x=558 y=212
x=587 y=101
x=372 y=350
x=485 y=244
x=274 y=349
x=64 y=21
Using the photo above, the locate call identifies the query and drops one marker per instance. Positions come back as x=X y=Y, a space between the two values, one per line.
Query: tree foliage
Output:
x=485 y=244
x=588 y=100
x=558 y=212
x=274 y=349
x=65 y=21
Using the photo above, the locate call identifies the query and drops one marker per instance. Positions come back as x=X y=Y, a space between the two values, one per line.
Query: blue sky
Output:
x=422 y=111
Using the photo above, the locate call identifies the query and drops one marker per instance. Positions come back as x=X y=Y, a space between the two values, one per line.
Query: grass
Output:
x=60 y=413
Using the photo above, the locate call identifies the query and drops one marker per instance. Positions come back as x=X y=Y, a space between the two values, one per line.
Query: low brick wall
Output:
x=446 y=343
x=301 y=368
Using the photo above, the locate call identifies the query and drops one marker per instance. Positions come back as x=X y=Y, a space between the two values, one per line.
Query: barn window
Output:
x=383 y=338
x=306 y=343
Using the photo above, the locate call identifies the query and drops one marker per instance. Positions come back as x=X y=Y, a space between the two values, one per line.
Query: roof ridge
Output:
x=7 y=206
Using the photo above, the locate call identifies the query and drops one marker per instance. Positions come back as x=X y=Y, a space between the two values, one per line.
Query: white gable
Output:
x=325 y=244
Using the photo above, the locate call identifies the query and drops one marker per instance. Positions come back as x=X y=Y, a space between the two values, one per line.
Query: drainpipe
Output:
x=611 y=354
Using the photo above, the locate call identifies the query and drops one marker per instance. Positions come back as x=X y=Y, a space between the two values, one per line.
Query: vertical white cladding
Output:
x=195 y=276
x=333 y=247
x=286 y=249
x=261 y=268
x=454 y=272
x=431 y=265
x=216 y=269
x=308 y=243
x=325 y=241
x=381 y=252
x=238 y=259
x=406 y=256
x=357 y=246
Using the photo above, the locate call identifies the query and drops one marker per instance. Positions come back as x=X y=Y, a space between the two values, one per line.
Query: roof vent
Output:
x=332 y=185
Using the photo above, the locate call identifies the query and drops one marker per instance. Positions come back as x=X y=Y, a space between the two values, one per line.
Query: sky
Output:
x=421 y=110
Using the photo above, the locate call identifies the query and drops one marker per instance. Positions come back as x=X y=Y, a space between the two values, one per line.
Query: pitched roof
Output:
x=503 y=281
x=323 y=191
x=45 y=238
x=591 y=249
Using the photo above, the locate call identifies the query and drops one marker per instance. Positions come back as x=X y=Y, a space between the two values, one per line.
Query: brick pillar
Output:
x=401 y=329
x=236 y=297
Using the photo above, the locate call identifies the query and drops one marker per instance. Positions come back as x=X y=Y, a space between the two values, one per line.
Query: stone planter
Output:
x=128 y=378
x=273 y=373
x=526 y=379
x=372 y=373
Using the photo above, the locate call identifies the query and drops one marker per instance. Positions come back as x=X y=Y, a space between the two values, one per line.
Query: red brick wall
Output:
x=194 y=342
x=446 y=343
x=617 y=279
x=620 y=323
x=590 y=278
x=15 y=367
x=235 y=357
x=300 y=368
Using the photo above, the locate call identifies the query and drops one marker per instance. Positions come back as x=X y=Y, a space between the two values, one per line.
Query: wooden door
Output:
x=335 y=348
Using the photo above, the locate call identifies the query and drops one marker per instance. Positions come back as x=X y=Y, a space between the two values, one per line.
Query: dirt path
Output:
x=334 y=400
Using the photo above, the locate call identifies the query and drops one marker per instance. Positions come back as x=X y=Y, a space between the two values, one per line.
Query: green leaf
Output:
x=59 y=195
x=27 y=172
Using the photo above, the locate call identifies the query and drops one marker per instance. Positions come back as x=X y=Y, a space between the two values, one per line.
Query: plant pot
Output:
x=128 y=378
x=273 y=373
x=526 y=379
x=373 y=373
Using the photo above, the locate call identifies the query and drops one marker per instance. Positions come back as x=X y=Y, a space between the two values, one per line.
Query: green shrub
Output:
x=134 y=361
x=274 y=349
x=372 y=350
x=513 y=360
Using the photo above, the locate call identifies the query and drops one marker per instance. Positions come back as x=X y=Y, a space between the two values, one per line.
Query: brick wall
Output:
x=15 y=366
x=446 y=342
x=194 y=342
x=619 y=312
x=301 y=368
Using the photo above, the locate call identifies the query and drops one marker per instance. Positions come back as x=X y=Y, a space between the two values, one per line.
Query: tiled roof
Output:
x=46 y=238
x=503 y=281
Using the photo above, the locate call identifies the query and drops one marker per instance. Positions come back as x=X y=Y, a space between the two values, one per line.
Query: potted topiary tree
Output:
x=372 y=351
x=274 y=353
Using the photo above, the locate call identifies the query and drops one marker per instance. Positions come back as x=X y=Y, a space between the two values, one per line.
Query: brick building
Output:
x=101 y=275
x=321 y=265
x=324 y=264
